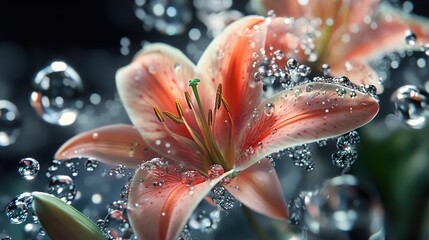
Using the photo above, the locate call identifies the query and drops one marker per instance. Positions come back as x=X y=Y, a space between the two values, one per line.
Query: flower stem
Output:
x=252 y=221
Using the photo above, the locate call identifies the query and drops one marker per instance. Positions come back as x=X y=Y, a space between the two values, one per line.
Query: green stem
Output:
x=252 y=221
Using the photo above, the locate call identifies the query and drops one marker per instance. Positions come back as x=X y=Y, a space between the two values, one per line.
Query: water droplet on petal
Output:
x=215 y=171
x=28 y=168
x=10 y=123
x=191 y=177
x=269 y=109
x=57 y=92
x=411 y=104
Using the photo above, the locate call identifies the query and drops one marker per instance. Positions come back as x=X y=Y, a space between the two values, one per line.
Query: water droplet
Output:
x=91 y=165
x=17 y=209
x=301 y=156
x=269 y=109
x=56 y=91
x=191 y=177
x=344 y=159
x=279 y=54
x=344 y=209
x=411 y=104
x=223 y=198
x=28 y=168
x=292 y=63
x=10 y=123
x=63 y=187
x=215 y=171
x=410 y=37
x=326 y=69
x=185 y=234
x=169 y=17
x=348 y=141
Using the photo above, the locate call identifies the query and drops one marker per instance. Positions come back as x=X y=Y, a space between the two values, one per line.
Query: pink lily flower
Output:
x=349 y=34
x=197 y=126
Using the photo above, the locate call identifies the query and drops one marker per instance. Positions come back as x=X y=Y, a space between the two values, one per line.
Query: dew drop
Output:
x=63 y=187
x=215 y=171
x=57 y=90
x=17 y=209
x=28 y=168
x=10 y=123
x=269 y=109
x=411 y=104
x=191 y=178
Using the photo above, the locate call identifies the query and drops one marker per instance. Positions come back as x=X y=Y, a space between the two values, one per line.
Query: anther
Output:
x=179 y=108
x=158 y=114
x=188 y=99
x=225 y=104
x=218 y=100
x=173 y=117
x=210 y=117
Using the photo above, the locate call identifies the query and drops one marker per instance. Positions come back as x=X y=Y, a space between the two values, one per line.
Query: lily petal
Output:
x=230 y=59
x=158 y=77
x=159 y=212
x=112 y=144
x=258 y=188
x=389 y=35
x=303 y=114
x=359 y=73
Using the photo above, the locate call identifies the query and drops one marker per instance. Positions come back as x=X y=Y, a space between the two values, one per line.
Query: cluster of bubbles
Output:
x=347 y=150
x=411 y=104
x=301 y=156
x=343 y=208
x=223 y=198
x=205 y=221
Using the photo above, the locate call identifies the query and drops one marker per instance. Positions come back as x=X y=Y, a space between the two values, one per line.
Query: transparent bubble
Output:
x=344 y=209
x=91 y=165
x=169 y=17
x=28 y=168
x=17 y=209
x=215 y=171
x=63 y=187
x=10 y=123
x=411 y=104
x=57 y=93
x=116 y=226
x=344 y=159
x=191 y=177
x=410 y=37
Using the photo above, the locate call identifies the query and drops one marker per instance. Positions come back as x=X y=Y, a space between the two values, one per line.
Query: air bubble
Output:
x=411 y=104
x=326 y=69
x=301 y=156
x=410 y=38
x=10 y=123
x=17 y=210
x=28 y=168
x=57 y=90
x=91 y=165
x=63 y=187
x=344 y=208
x=348 y=141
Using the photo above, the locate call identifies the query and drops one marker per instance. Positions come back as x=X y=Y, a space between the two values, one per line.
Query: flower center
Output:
x=203 y=140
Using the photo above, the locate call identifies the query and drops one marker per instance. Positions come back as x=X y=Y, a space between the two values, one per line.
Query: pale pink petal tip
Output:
x=112 y=144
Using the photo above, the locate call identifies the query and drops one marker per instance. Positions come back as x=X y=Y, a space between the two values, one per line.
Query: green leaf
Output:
x=62 y=221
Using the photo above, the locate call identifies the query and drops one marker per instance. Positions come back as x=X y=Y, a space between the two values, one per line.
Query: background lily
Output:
x=197 y=126
x=346 y=34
